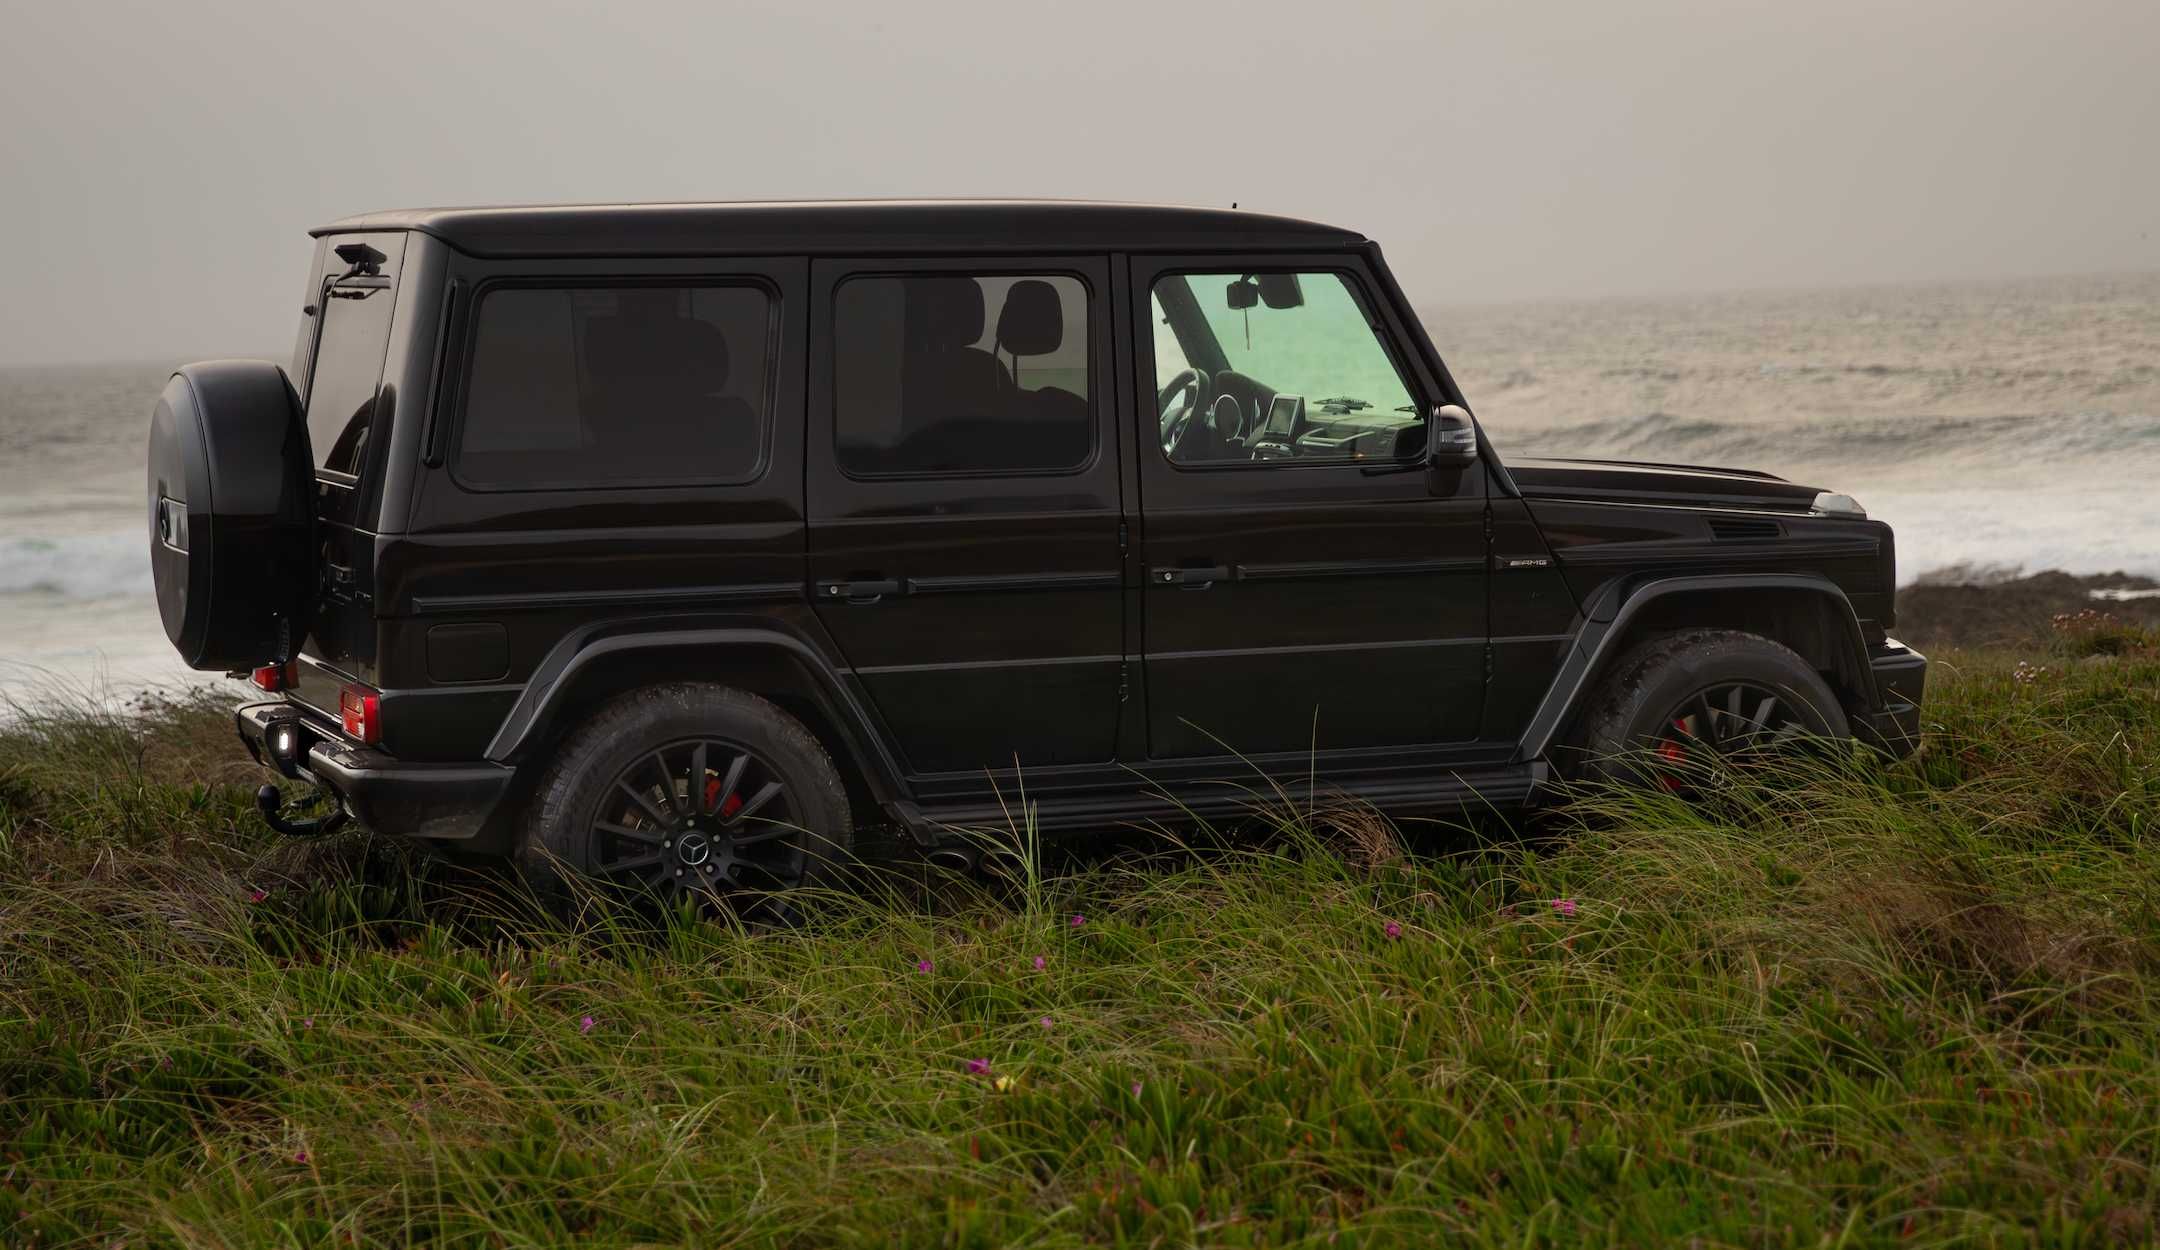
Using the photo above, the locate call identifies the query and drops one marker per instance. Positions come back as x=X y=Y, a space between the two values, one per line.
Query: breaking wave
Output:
x=76 y=566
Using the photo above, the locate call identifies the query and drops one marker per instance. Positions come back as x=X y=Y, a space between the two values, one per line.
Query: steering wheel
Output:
x=1176 y=404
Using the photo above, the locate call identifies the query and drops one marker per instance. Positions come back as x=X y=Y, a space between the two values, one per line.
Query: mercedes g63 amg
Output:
x=675 y=542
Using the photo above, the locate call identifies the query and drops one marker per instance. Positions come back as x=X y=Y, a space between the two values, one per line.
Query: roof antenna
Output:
x=1233 y=203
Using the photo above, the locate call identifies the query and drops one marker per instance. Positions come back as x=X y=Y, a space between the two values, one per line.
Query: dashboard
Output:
x=1343 y=430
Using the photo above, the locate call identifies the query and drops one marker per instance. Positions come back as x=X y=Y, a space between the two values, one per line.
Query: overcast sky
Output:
x=164 y=160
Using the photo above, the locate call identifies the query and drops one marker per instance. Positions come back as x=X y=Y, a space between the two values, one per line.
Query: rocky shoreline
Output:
x=1956 y=609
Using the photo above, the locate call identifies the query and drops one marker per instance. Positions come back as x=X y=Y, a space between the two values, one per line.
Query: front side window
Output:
x=601 y=386
x=945 y=374
x=1276 y=368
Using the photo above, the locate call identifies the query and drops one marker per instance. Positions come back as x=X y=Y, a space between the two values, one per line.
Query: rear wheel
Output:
x=691 y=795
x=1677 y=706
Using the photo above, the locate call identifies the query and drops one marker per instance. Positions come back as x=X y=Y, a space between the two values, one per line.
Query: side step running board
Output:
x=1503 y=791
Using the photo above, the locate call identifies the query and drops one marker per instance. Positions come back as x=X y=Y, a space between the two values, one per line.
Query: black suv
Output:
x=674 y=542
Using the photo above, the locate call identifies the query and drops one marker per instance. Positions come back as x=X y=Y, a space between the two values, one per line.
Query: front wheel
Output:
x=1682 y=703
x=692 y=795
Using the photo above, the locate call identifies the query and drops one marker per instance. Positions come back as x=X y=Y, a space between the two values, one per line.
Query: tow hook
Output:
x=271 y=802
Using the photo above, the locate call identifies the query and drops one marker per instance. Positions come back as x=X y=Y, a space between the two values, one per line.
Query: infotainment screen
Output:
x=1282 y=416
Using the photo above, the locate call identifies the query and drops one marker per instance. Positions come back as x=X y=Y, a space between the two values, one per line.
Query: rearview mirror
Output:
x=1454 y=438
x=1281 y=290
x=1276 y=290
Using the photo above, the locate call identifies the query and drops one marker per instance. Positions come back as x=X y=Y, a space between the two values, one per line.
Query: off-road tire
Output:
x=558 y=831
x=1633 y=705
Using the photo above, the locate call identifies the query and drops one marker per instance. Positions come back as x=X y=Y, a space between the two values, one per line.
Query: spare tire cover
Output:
x=231 y=514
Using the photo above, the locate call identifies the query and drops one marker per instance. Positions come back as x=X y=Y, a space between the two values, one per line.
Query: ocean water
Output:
x=1996 y=425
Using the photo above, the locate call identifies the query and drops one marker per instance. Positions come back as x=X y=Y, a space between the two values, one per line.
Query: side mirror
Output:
x=1242 y=294
x=1454 y=438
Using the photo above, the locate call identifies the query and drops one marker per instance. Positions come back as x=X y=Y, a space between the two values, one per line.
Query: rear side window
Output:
x=602 y=386
x=951 y=374
x=347 y=374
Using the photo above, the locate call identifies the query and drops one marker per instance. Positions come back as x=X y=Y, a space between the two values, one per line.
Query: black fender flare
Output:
x=533 y=716
x=1604 y=632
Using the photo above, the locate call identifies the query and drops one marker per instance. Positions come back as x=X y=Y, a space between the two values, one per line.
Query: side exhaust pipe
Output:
x=961 y=859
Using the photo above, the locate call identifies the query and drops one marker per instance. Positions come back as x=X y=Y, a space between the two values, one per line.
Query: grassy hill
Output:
x=1859 y=1005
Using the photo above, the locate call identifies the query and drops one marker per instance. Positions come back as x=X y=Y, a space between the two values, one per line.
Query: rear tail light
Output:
x=360 y=711
x=275 y=677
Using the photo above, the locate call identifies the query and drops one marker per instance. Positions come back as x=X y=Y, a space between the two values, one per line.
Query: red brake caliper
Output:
x=712 y=798
x=1673 y=753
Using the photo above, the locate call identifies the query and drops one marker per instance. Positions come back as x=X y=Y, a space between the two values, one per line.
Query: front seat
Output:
x=1054 y=425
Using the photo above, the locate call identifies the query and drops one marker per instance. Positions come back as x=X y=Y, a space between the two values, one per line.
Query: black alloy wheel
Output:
x=1678 y=707
x=700 y=820
x=1736 y=721
x=694 y=796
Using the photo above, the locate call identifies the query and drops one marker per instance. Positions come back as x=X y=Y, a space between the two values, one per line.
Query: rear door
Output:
x=963 y=504
x=1312 y=590
x=352 y=317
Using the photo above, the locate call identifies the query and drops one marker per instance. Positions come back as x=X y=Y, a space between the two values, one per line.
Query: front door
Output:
x=1312 y=589
x=962 y=492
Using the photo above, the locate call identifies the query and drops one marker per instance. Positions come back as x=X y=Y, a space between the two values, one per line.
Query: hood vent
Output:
x=1729 y=529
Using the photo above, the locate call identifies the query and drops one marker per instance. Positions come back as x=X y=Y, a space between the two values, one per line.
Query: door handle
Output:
x=1192 y=578
x=861 y=590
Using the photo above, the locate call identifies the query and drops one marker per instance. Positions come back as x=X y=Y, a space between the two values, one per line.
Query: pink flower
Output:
x=300 y=1156
x=308 y=1023
x=257 y=896
x=1040 y=963
x=923 y=965
x=1392 y=929
x=1046 y=1022
x=1136 y=1089
x=1078 y=920
x=1564 y=906
x=585 y=1024
x=976 y=1067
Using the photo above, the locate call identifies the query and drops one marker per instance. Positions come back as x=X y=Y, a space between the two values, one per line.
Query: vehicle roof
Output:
x=859 y=226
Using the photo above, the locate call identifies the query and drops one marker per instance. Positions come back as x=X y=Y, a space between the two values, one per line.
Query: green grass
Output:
x=1911 y=1005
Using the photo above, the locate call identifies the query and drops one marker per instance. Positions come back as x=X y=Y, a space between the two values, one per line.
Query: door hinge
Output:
x=1123 y=688
x=1124 y=536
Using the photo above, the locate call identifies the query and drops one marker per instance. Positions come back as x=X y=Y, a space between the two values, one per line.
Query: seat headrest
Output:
x=1032 y=322
x=943 y=313
x=678 y=355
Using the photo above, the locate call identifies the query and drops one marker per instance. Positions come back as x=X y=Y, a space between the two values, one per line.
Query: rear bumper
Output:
x=438 y=802
x=1900 y=680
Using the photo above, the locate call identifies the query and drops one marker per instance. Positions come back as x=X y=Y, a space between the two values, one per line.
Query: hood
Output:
x=1627 y=481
